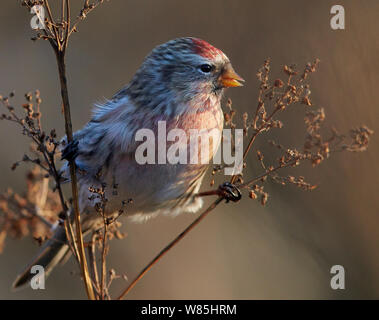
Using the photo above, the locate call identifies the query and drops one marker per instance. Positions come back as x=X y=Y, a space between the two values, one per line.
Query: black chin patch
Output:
x=217 y=87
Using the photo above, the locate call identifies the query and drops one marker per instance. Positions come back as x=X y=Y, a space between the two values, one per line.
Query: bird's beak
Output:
x=229 y=78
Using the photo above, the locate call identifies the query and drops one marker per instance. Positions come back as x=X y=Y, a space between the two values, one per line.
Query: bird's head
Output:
x=185 y=68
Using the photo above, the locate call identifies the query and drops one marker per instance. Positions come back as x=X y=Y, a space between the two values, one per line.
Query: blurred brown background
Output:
x=243 y=251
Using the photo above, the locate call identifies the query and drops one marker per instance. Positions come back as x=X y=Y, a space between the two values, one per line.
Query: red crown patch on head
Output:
x=205 y=49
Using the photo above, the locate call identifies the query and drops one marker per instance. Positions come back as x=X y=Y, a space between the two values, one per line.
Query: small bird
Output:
x=180 y=82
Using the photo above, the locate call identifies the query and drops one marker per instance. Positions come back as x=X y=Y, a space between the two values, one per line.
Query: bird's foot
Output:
x=71 y=151
x=229 y=192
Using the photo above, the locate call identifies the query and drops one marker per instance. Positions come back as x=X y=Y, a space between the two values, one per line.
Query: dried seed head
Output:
x=278 y=83
x=264 y=198
x=252 y=195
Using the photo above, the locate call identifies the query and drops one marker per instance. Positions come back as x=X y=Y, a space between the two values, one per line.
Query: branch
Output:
x=169 y=246
x=60 y=57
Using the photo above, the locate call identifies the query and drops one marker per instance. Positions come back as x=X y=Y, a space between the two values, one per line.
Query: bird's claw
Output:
x=71 y=151
x=229 y=192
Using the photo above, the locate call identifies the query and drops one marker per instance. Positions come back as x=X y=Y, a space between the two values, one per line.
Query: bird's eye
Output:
x=206 y=68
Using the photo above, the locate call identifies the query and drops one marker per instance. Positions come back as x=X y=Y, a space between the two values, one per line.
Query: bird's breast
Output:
x=202 y=125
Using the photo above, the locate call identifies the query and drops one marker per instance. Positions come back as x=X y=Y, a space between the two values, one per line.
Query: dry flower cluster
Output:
x=44 y=203
x=275 y=97
x=33 y=213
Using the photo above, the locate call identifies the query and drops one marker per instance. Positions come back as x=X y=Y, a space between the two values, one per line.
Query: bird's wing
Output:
x=110 y=132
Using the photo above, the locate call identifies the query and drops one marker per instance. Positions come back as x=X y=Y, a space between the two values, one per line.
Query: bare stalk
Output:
x=92 y=261
x=103 y=258
x=74 y=186
x=168 y=247
x=60 y=51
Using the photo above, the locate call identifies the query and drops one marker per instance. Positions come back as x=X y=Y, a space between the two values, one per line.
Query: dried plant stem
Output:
x=169 y=246
x=103 y=258
x=267 y=173
x=251 y=142
x=60 y=51
x=60 y=55
x=93 y=266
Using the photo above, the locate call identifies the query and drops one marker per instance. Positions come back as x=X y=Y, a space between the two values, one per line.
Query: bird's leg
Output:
x=227 y=190
x=71 y=151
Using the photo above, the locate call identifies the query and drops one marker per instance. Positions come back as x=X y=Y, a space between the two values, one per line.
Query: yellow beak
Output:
x=229 y=78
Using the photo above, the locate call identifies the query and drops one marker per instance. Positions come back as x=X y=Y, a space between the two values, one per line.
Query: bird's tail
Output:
x=51 y=253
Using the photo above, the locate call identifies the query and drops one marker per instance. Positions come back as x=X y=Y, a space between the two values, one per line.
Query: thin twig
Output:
x=103 y=257
x=60 y=57
x=92 y=263
x=169 y=246
x=267 y=173
x=56 y=34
